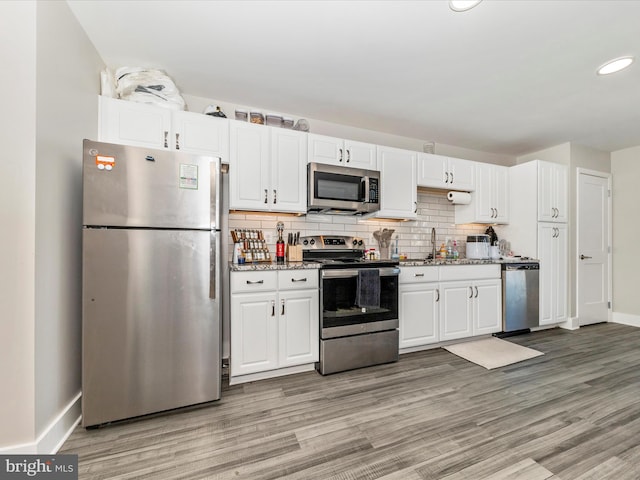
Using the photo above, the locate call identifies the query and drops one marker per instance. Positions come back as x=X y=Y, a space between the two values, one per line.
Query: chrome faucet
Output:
x=433 y=243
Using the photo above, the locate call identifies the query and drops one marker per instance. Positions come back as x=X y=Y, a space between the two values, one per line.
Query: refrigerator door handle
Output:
x=215 y=192
x=214 y=261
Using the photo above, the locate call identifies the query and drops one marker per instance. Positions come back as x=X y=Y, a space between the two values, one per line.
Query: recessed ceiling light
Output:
x=615 y=65
x=462 y=5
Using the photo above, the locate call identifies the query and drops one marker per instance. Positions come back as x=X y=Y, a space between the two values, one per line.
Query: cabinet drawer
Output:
x=469 y=272
x=298 y=279
x=418 y=274
x=258 y=281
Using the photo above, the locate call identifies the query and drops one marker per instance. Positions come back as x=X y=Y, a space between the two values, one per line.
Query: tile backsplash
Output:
x=414 y=237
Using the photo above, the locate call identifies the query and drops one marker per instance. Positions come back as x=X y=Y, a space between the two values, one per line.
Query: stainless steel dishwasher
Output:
x=520 y=296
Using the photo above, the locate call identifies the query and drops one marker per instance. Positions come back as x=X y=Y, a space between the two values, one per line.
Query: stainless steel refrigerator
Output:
x=151 y=326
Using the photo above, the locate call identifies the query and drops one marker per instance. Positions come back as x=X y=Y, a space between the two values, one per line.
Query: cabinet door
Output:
x=418 y=314
x=501 y=194
x=254 y=333
x=323 y=149
x=248 y=166
x=560 y=250
x=484 y=208
x=200 y=134
x=360 y=155
x=131 y=123
x=456 y=310
x=398 y=190
x=298 y=330
x=546 y=255
x=432 y=170
x=561 y=193
x=487 y=307
x=546 y=187
x=461 y=175
x=288 y=186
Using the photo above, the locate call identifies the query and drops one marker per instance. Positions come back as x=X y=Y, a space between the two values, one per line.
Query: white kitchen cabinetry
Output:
x=552 y=192
x=547 y=241
x=144 y=125
x=267 y=171
x=448 y=303
x=336 y=151
x=418 y=297
x=438 y=171
x=471 y=303
x=274 y=323
x=553 y=242
x=398 y=190
x=490 y=200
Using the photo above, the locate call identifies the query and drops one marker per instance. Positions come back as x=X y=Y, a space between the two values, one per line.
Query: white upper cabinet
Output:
x=144 y=125
x=552 y=192
x=398 y=190
x=490 y=200
x=336 y=151
x=267 y=171
x=438 y=171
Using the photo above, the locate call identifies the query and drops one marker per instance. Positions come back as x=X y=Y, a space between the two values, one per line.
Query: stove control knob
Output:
x=355 y=242
x=305 y=242
x=313 y=242
x=360 y=243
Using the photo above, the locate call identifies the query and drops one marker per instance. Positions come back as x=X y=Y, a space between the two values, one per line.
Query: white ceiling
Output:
x=506 y=77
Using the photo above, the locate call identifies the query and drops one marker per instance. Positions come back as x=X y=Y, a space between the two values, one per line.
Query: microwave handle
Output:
x=365 y=184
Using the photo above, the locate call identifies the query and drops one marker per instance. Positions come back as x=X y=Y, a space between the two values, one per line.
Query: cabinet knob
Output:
x=275 y=199
x=446 y=177
x=437 y=294
x=476 y=295
x=177 y=141
x=451 y=177
x=166 y=139
x=266 y=193
x=282 y=303
x=348 y=155
x=470 y=292
x=273 y=308
x=340 y=158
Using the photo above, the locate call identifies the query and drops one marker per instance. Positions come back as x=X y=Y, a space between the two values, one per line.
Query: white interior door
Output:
x=593 y=247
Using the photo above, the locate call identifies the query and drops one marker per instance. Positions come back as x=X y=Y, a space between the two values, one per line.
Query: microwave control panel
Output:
x=373 y=190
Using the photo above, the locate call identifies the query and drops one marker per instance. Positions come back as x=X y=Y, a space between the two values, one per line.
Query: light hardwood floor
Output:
x=573 y=413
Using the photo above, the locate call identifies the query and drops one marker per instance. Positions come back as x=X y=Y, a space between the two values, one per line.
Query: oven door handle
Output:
x=353 y=272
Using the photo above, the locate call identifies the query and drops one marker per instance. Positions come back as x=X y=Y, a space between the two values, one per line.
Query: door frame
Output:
x=608 y=176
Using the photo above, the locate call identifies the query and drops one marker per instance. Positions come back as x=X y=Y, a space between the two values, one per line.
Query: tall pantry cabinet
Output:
x=538 y=229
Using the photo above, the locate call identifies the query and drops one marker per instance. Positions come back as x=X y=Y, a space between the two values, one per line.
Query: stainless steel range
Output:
x=358 y=304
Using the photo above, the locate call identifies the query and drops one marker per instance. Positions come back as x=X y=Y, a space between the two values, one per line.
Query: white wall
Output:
x=49 y=106
x=17 y=213
x=625 y=168
x=68 y=79
x=557 y=154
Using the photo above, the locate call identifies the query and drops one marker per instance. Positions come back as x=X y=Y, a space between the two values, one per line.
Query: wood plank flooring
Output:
x=573 y=413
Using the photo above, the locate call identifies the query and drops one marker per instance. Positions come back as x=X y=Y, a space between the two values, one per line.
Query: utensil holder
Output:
x=294 y=253
x=384 y=253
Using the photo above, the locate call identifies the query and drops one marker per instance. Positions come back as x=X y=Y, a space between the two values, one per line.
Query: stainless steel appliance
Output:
x=352 y=335
x=335 y=189
x=520 y=296
x=151 y=284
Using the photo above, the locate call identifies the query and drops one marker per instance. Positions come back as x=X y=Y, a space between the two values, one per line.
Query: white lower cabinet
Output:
x=274 y=321
x=438 y=304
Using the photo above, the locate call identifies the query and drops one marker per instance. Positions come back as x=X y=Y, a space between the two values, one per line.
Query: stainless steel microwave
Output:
x=335 y=189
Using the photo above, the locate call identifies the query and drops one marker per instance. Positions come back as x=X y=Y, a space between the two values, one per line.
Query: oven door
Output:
x=341 y=316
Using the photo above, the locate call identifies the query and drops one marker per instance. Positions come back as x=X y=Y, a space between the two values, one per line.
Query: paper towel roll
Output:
x=459 y=198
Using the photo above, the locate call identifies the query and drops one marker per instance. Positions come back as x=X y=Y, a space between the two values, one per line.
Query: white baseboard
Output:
x=571 y=324
x=52 y=438
x=626 y=319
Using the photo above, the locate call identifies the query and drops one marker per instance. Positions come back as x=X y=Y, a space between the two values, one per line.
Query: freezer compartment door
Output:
x=129 y=186
x=150 y=329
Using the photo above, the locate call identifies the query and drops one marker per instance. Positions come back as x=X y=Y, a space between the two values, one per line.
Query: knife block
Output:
x=294 y=253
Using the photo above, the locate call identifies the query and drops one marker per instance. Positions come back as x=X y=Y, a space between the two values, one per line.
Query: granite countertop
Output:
x=234 y=267
x=464 y=261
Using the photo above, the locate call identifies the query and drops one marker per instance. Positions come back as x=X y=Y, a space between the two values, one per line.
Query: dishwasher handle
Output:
x=529 y=266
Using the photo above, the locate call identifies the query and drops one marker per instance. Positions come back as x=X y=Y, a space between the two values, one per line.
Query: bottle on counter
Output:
x=280 y=244
x=456 y=253
x=443 y=251
x=449 y=250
